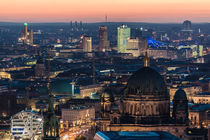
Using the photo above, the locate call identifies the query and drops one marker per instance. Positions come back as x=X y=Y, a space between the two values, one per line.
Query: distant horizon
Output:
x=65 y=22
x=154 y=11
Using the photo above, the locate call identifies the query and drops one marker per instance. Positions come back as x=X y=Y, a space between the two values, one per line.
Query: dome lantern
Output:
x=146 y=60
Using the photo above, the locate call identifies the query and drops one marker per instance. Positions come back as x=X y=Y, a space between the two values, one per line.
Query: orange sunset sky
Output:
x=95 y=10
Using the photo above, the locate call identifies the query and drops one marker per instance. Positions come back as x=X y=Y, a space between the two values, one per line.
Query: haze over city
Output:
x=158 y=11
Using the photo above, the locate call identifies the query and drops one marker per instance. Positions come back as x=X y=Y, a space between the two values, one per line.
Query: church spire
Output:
x=146 y=60
x=51 y=126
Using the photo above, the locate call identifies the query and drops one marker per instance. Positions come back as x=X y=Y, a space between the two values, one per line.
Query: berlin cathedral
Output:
x=145 y=105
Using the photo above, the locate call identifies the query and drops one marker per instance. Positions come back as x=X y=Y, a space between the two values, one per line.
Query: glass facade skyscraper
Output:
x=123 y=33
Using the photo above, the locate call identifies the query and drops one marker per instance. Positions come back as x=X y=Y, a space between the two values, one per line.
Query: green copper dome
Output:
x=146 y=81
x=25 y=24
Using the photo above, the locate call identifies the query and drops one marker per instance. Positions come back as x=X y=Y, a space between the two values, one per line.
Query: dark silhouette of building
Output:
x=187 y=25
x=51 y=127
x=180 y=107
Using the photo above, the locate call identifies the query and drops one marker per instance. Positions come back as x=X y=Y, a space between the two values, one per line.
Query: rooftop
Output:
x=200 y=107
x=141 y=135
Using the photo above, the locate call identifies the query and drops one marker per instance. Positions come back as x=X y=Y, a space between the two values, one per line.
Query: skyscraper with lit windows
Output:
x=123 y=33
x=103 y=39
x=87 y=43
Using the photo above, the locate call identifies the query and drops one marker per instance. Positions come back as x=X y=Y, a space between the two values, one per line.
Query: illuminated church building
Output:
x=145 y=105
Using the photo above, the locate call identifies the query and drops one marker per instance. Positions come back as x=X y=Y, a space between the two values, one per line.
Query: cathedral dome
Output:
x=146 y=81
x=180 y=95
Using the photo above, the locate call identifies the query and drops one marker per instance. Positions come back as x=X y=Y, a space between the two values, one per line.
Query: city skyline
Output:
x=157 y=11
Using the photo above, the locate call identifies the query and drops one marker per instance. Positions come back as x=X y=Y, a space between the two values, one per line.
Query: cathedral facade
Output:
x=144 y=105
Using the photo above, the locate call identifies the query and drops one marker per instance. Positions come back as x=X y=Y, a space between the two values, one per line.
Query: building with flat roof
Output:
x=103 y=39
x=87 y=44
x=123 y=33
x=199 y=115
x=78 y=115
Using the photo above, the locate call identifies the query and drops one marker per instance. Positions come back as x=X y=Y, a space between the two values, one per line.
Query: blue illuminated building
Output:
x=154 y=44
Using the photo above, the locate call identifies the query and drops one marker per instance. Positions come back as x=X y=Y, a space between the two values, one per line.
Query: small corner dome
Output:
x=107 y=93
x=180 y=95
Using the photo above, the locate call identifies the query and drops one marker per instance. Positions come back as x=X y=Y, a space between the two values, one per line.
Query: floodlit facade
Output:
x=78 y=115
x=26 y=125
x=191 y=51
x=133 y=47
x=5 y=75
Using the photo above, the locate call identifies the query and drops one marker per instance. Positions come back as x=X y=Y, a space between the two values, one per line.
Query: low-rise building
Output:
x=201 y=98
x=86 y=91
x=199 y=115
x=78 y=115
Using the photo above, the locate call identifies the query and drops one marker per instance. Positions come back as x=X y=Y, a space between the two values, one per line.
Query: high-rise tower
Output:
x=26 y=31
x=26 y=36
x=187 y=25
x=123 y=33
x=103 y=39
x=87 y=44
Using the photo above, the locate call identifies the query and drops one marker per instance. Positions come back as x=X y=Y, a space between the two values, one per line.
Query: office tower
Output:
x=26 y=31
x=80 y=24
x=87 y=44
x=71 y=24
x=76 y=24
x=103 y=39
x=132 y=44
x=187 y=25
x=133 y=47
x=26 y=36
x=123 y=33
